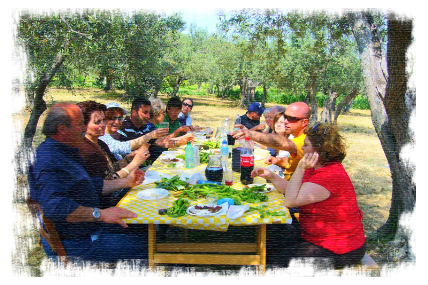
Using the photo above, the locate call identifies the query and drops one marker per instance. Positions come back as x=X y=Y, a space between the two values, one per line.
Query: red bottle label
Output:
x=247 y=161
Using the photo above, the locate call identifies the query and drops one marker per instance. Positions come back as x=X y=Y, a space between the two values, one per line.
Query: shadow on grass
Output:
x=346 y=128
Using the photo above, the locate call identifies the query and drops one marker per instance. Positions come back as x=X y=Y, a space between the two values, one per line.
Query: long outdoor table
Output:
x=203 y=253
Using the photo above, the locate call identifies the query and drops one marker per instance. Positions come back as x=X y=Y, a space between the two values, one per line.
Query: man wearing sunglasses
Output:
x=296 y=119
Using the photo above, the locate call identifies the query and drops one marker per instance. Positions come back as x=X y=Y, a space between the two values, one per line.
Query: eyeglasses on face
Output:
x=292 y=119
x=120 y=119
x=188 y=105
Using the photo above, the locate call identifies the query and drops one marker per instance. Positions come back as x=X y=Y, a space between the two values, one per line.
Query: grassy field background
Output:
x=365 y=163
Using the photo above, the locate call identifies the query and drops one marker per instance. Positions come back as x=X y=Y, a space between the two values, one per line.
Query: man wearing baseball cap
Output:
x=251 y=120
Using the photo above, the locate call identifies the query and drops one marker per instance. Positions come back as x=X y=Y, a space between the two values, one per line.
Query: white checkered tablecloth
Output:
x=147 y=210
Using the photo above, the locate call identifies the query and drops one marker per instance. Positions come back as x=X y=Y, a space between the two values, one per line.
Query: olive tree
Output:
x=384 y=34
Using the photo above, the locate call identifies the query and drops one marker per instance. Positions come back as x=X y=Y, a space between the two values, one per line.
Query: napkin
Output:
x=195 y=177
x=235 y=211
x=224 y=209
x=274 y=168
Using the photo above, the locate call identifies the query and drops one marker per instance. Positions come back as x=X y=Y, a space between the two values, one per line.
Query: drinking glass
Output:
x=211 y=198
x=162 y=125
x=208 y=132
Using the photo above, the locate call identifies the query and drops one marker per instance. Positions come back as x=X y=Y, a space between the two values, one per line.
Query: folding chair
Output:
x=67 y=273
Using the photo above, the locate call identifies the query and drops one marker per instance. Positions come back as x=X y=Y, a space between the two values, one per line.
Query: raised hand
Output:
x=134 y=178
x=141 y=154
x=270 y=160
x=241 y=133
x=115 y=215
x=309 y=160
x=159 y=133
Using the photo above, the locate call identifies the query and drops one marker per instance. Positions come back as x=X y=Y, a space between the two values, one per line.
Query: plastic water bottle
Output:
x=190 y=160
x=226 y=127
x=224 y=150
x=247 y=162
x=237 y=121
x=196 y=157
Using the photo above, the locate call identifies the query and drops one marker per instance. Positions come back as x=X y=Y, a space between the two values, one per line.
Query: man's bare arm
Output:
x=272 y=140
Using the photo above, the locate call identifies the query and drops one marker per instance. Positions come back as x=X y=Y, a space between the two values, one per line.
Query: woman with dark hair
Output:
x=114 y=116
x=184 y=116
x=330 y=220
x=281 y=158
x=99 y=161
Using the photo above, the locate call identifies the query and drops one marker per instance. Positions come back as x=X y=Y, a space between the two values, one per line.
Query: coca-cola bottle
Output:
x=247 y=162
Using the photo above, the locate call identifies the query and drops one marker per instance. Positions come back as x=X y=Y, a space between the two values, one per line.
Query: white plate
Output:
x=153 y=176
x=167 y=160
x=153 y=194
x=205 y=213
x=268 y=187
x=171 y=152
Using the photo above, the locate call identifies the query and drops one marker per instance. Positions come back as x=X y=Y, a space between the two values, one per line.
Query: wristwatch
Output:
x=96 y=214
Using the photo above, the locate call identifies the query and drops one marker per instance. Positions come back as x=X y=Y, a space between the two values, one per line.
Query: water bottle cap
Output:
x=224 y=142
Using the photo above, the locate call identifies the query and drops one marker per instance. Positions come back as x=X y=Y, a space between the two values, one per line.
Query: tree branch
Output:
x=71 y=29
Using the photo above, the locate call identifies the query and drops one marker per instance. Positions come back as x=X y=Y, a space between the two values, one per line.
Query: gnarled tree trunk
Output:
x=345 y=102
x=326 y=114
x=38 y=109
x=391 y=102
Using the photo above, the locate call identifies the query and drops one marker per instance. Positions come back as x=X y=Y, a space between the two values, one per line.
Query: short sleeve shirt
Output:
x=172 y=125
x=293 y=160
x=248 y=123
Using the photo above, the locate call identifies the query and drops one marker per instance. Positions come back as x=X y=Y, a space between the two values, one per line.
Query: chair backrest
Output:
x=202 y=279
x=49 y=234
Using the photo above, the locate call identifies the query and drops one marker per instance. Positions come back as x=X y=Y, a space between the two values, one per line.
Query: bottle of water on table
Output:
x=190 y=160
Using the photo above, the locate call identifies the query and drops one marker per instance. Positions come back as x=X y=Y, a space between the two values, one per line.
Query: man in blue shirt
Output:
x=70 y=198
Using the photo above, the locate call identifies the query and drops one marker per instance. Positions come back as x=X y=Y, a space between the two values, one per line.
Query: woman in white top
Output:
x=184 y=116
x=114 y=117
x=282 y=156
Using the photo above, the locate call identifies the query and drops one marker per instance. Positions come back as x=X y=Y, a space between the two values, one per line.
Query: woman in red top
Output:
x=330 y=220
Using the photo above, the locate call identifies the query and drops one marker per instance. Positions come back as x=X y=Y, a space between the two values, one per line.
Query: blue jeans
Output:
x=110 y=244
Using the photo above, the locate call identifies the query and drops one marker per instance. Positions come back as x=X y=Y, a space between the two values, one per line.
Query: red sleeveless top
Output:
x=335 y=223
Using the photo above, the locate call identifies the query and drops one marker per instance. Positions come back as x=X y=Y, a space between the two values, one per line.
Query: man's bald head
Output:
x=300 y=110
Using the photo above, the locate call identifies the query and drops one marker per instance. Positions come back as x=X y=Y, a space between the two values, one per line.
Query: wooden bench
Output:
x=367 y=264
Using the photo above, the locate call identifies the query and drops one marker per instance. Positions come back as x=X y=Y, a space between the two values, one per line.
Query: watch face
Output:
x=96 y=214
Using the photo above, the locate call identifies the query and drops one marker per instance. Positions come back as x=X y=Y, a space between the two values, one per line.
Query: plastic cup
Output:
x=228 y=178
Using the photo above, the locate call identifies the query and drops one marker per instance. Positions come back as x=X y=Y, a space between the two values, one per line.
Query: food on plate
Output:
x=204 y=210
x=212 y=209
x=169 y=160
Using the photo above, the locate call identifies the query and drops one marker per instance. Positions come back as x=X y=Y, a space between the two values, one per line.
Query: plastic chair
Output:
x=67 y=273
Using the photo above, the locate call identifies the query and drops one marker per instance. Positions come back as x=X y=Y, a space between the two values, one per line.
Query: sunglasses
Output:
x=120 y=119
x=292 y=119
x=187 y=105
x=315 y=129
